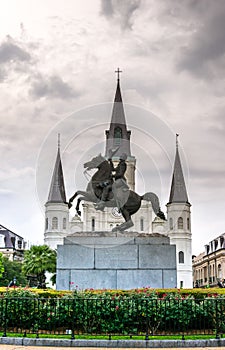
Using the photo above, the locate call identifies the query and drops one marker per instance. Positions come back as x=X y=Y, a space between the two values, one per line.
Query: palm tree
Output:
x=37 y=261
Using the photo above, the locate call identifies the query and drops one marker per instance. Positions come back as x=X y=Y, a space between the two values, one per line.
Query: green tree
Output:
x=1 y=265
x=37 y=261
x=12 y=269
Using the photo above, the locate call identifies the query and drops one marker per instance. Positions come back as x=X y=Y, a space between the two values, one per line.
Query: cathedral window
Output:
x=93 y=224
x=180 y=223
x=141 y=224
x=188 y=223
x=46 y=223
x=55 y=223
x=181 y=257
x=64 y=223
x=117 y=136
x=171 y=223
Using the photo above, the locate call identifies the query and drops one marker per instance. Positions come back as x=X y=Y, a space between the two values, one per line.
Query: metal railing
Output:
x=112 y=316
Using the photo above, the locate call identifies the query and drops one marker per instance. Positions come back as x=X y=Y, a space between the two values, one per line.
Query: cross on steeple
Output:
x=177 y=135
x=58 y=141
x=118 y=71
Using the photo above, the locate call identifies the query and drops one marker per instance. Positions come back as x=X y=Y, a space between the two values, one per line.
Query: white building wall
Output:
x=182 y=238
x=54 y=234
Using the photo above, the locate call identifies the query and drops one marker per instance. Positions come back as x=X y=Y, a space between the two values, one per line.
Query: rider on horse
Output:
x=118 y=187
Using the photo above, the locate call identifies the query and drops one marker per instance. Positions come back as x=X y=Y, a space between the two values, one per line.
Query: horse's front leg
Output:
x=74 y=196
x=72 y=199
x=78 y=205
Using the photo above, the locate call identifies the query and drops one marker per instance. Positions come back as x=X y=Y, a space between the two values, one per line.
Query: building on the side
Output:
x=12 y=245
x=209 y=266
x=177 y=226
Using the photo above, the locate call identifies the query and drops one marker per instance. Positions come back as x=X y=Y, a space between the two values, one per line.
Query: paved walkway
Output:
x=19 y=347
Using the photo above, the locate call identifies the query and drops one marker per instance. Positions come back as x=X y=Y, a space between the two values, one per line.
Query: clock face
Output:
x=115 y=212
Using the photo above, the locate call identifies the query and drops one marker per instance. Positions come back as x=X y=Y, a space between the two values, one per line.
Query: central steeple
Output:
x=118 y=136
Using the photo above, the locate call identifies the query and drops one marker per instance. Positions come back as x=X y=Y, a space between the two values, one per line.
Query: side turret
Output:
x=56 y=208
x=179 y=224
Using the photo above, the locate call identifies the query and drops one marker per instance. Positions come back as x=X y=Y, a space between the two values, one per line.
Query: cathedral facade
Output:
x=177 y=226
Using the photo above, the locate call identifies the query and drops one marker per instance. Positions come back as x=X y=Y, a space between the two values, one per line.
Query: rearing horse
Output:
x=94 y=194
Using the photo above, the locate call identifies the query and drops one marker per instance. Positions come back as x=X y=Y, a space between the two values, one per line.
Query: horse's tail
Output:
x=153 y=198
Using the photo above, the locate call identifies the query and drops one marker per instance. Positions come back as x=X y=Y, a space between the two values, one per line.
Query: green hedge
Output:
x=120 y=312
x=197 y=293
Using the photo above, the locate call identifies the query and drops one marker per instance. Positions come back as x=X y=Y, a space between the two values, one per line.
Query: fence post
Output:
x=146 y=313
x=73 y=319
x=182 y=303
x=38 y=310
x=5 y=318
x=217 y=320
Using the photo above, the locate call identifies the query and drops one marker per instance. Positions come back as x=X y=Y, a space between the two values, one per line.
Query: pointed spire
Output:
x=178 y=192
x=57 y=192
x=118 y=97
x=118 y=136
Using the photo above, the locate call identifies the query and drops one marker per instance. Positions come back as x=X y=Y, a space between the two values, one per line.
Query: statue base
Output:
x=115 y=260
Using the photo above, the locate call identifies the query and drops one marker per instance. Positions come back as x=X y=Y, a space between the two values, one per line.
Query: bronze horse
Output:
x=94 y=193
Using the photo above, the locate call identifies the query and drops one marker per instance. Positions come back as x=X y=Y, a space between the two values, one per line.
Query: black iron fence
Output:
x=113 y=316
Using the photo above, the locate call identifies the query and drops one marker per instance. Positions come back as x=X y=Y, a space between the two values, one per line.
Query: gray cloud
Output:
x=206 y=49
x=120 y=11
x=52 y=86
x=11 y=51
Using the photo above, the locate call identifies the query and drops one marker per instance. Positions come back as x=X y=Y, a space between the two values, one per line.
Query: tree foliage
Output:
x=12 y=269
x=37 y=261
x=1 y=265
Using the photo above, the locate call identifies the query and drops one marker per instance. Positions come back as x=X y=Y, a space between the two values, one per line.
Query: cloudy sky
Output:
x=57 y=63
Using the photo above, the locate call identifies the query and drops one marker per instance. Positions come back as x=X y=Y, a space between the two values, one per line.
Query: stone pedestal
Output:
x=116 y=261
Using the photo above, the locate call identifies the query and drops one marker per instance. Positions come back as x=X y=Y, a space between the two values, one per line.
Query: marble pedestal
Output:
x=108 y=260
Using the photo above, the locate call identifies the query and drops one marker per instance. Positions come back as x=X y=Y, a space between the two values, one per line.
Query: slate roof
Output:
x=57 y=192
x=178 y=192
x=8 y=236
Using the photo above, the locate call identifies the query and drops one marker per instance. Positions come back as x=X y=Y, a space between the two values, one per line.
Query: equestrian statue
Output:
x=108 y=188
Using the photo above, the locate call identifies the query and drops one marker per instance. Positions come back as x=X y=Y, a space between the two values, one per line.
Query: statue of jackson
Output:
x=116 y=183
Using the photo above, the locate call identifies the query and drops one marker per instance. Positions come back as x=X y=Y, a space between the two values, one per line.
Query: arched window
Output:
x=64 y=223
x=141 y=224
x=219 y=271
x=93 y=224
x=188 y=223
x=46 y=223
x=54 y=223
x=117 y=136
x=181 y=257
x=171 y=223
x=180 y=223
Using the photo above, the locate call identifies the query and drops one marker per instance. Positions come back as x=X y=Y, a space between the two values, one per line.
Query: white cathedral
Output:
x=177 y=227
